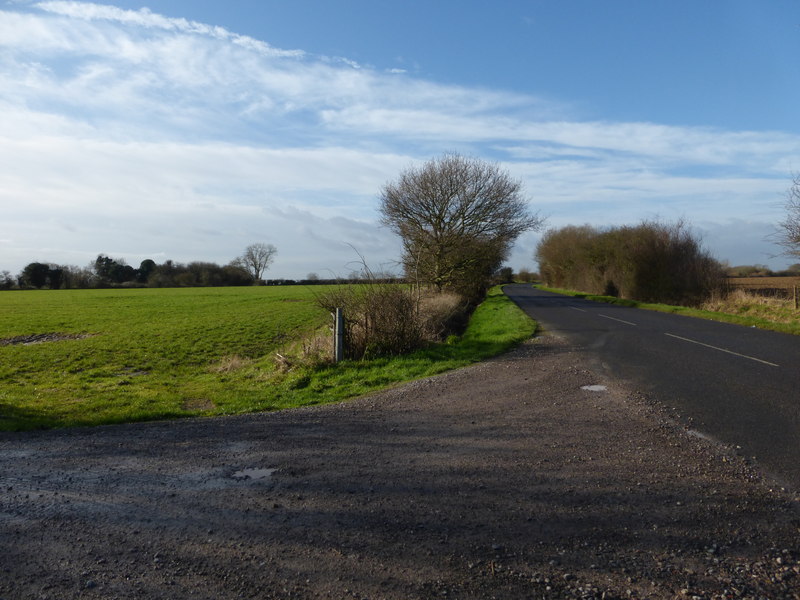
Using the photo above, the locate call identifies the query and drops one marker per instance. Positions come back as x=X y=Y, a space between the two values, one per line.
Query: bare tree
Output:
x=788 y=233
x=256 y=259
x=457 y=217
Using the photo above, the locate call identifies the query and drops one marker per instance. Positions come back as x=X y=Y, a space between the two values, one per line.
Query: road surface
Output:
x=736 y=384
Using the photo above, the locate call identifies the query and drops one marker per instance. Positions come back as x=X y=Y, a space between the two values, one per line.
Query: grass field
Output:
x=142 y=354
x=150 y=353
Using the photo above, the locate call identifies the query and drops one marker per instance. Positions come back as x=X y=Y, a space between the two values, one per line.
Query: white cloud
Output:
x=167 y=137
x=147 y=19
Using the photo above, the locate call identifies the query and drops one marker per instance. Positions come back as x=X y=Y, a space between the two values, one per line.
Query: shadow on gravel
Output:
x=501 y=481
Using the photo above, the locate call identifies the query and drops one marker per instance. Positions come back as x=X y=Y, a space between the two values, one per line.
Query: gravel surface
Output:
x=502 y=480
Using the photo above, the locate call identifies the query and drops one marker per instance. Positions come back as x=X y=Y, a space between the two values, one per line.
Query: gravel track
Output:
x=502 y=480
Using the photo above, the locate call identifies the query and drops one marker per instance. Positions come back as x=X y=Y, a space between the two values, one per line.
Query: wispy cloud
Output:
x=188 y=140
x=147 y=19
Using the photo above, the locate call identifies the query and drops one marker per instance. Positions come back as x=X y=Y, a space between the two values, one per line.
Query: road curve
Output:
x=737 y=384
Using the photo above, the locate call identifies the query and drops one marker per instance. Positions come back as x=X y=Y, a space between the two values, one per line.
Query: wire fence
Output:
x=785 y=288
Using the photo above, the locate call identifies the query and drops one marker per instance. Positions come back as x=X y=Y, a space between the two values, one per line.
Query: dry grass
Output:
x=318 y=349
x=743 y=302
x=440 y=313
x=739 y=297
x=229 y=364
x=314 y=350
x=197 y=404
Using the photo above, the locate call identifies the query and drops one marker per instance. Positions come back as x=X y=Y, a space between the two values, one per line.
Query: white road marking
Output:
x=722 y=350
x=580 y=309
x=619 y=320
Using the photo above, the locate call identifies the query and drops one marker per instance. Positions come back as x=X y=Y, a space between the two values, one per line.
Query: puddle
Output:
x=594 y=388
x=253 y=473
x=700 y=435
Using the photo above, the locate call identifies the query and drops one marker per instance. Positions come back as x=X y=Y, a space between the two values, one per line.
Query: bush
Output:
x=526 y=276
x=650 y=262
x=377 y=319
x=386 y=320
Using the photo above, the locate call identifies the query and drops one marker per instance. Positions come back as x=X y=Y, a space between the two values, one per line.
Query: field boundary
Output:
x=774 y=287
x=761 y=322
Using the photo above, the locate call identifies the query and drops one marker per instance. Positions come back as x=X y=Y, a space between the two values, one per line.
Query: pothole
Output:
x=594 y=388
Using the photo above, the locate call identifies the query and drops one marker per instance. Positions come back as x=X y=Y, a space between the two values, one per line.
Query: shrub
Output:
x=384 y=319
x=378 y=319
x=526 y=276
x=650 y=262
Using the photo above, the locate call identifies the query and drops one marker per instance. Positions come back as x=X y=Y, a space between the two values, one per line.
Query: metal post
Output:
x=338 y=336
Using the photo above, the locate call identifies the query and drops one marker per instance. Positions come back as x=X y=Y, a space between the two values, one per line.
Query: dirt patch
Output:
x=508 y=479
x=197 y=404
x=41 y=338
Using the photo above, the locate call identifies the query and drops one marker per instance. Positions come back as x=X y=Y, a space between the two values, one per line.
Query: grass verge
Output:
x=496 y=326
x=138 y=355
x=760 y=320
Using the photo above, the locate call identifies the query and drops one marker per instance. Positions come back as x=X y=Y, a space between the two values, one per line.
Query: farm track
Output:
x=502 y=480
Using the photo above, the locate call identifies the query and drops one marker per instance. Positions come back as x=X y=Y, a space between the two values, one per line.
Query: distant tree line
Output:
x=762 y=271
x=107 y=272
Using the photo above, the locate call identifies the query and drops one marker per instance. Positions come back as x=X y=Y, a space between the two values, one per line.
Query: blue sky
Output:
x=186 y=130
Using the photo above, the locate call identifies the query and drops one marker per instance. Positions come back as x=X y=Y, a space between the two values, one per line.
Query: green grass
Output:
x=167 y=353
x=151 y=352
x=749 y=317
x=496 y=326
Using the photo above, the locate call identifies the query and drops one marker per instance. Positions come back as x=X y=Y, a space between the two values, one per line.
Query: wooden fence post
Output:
x=338 y=336
x=794 y=294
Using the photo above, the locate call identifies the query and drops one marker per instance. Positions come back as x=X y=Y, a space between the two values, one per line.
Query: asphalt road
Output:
x=736 y=384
